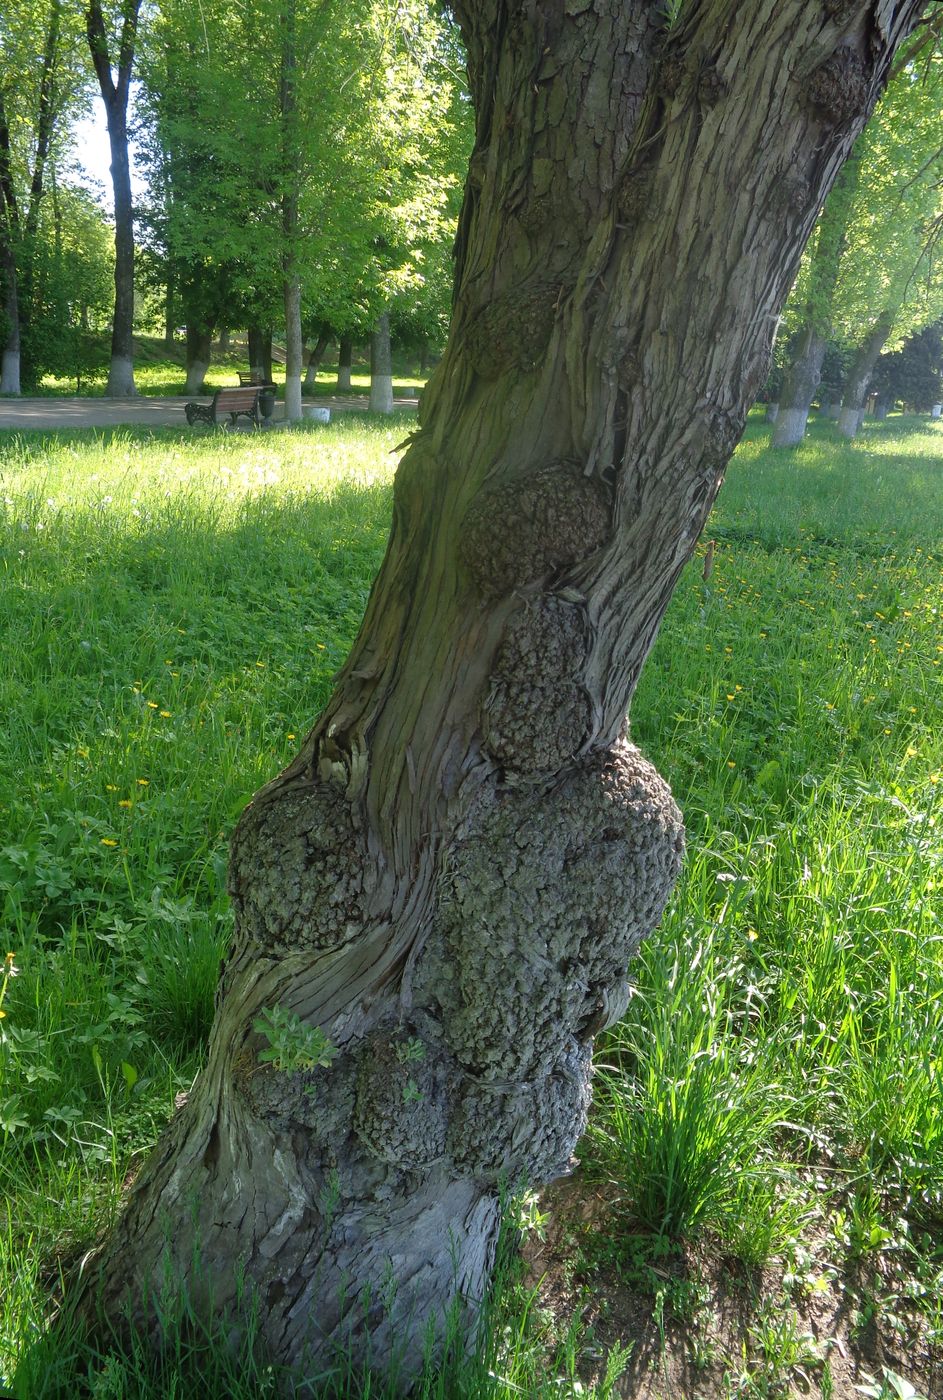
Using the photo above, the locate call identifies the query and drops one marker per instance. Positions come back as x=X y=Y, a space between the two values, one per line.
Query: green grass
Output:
x=782 y=1058
x=171 y=613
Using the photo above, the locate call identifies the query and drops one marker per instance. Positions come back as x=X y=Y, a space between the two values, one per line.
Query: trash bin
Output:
x=316 y=414
x=936 y=410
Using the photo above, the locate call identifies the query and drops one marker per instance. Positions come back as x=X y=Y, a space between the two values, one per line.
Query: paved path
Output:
x=45 y=414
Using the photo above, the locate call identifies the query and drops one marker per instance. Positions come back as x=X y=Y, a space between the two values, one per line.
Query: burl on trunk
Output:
x=451 y=878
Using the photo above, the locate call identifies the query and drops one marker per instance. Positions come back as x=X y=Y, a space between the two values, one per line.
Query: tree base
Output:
x=10 y=372
x=381 y=393
x=790 y=427
x=120 y=378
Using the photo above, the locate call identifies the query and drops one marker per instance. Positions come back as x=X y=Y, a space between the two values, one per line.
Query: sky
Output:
x=94 y=156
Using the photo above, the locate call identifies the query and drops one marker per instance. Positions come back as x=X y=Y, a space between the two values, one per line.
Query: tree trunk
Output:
x=291 y=181
x=804 y=374
x=381 y=368
x=223 y=339
x=260 y=353
x=170 y=318
x=859 y=375
x=345 y=355
x=832 y=410
x=9 y=312
x=199 y=355
x=449 y=880
x=9 y=282
x=799 y=385
x=115 y=97
x=772 y=412
x=293 y=348
x=315 y=358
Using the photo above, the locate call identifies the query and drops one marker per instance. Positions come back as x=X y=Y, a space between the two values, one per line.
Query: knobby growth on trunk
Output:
x=450 y=879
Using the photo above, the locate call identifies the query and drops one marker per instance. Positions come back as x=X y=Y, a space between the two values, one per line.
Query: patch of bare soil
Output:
x=702 y=1326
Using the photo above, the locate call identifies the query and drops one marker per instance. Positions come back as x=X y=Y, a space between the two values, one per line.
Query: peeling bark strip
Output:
x=451 y=877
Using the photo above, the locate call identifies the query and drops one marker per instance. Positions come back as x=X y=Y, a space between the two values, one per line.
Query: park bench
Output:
x=241 y=402
x=255 y=377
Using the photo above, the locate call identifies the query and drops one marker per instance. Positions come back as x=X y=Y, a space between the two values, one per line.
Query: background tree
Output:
x=41 y=89
x=115 y=90
x=448 y=881
x=894 y=284
x=816 y=289
x=862 y=283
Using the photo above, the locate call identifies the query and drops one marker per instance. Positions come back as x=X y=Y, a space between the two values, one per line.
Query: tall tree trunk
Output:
x=291 y=181
x=315 y=358
x=10 y=313
x=449 y=880
x=860 y=372
x=345 y=355
x=199 y=355
x=260 y=353
x=799 y=385
x=115 y=97
x=223 y=339
x=381 y=367
x=9 y=282
x=804 y=374
x=44 y=121
x=170 y=314
x=294 y=342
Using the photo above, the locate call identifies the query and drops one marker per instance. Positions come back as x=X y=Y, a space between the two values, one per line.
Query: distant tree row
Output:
x=303 y=168
x=871 y=276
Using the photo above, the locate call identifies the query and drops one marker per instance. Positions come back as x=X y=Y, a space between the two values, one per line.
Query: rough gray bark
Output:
x=381 y=367
x=451 y=877
x=115 y=97
x=345 y=354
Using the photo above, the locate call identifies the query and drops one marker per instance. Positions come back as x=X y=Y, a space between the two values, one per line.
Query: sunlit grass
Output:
x=172 y=610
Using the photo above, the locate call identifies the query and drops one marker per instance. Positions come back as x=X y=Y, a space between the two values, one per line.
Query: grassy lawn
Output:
x=769 y=1119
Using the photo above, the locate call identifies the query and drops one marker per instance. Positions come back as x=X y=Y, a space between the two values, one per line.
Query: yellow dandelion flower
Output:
x=125 y=802
x=165 y=714
x=730 y=763
x=111 y=787
x=108 y=841
x=291 y=736
x=143 y=782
